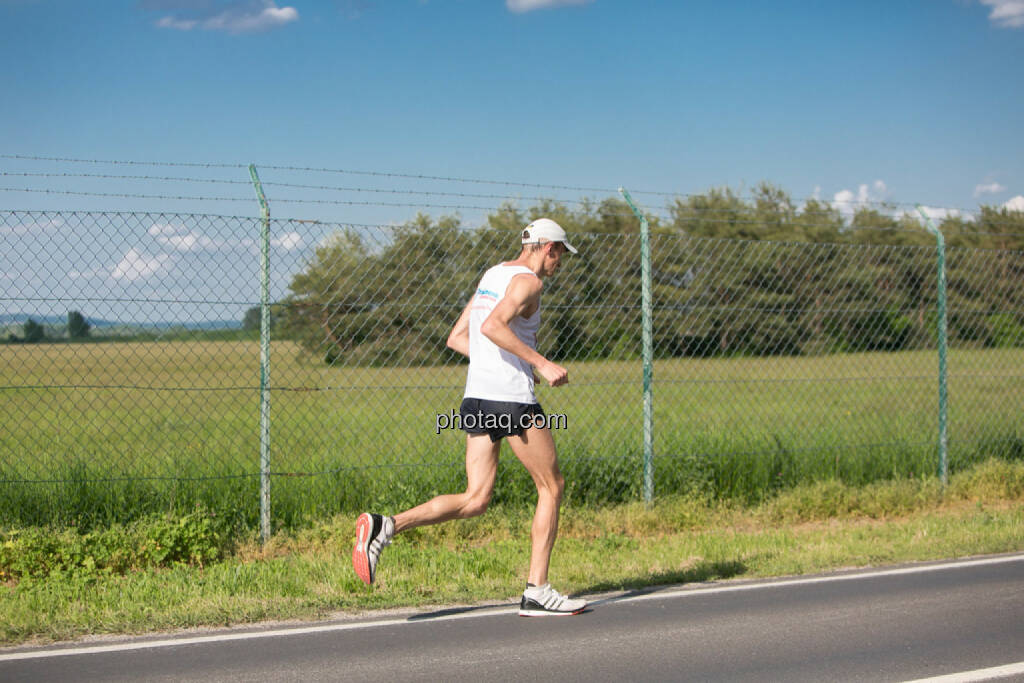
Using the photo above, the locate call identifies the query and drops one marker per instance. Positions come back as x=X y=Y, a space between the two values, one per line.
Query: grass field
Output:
x=99 y=433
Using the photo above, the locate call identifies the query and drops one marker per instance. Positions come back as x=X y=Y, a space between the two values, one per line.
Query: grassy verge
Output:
x=179 y=575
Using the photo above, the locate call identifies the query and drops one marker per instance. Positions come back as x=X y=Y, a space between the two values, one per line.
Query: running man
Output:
x=497 y=330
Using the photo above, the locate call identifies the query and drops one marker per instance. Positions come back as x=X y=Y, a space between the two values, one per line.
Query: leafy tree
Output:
x=718 y=213
x=818 y=222
x=388 y=303
x=1003 y=228
x=33 y=332
x=252 y=318
x=78 y=328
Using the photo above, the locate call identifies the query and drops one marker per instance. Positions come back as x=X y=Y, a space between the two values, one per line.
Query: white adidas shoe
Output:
x=373 y=532
x=545 y=601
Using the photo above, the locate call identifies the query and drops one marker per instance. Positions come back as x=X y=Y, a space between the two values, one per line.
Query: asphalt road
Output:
x=892 y=624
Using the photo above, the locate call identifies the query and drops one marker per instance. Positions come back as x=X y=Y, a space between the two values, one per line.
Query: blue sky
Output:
x=909 y=101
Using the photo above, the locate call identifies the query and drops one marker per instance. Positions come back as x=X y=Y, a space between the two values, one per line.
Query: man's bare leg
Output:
x=536 y=450
x=481 y=468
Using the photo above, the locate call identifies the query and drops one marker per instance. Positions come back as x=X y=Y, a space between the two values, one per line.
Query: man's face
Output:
x=552 y=257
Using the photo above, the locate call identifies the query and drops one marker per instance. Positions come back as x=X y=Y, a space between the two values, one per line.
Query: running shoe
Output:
x=545 y=601
x=373 y=532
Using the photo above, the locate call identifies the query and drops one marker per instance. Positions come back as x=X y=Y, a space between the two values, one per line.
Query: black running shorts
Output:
x=498 y=419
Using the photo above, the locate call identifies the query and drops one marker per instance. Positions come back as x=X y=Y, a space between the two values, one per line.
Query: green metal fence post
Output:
x=941 y=295
x=264 y=357
x=648 y=347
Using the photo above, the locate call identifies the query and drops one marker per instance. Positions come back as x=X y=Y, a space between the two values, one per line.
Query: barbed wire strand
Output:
x=831 y=211
x=328 y=188
x=682 y=221
x=454 y=179
x=654 y=210
x=667 y=218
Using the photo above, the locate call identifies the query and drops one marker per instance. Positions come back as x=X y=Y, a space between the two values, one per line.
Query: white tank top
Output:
x=494 y=373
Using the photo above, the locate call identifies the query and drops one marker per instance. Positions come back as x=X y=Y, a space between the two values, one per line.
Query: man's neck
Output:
x=532 y=260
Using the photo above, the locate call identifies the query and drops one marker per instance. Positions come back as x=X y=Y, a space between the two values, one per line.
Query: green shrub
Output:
x=831 y=499
x=197 y=538
x=1005 y=331
x=993 y=479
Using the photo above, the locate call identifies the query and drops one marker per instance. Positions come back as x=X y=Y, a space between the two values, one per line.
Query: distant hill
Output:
x=22 y=318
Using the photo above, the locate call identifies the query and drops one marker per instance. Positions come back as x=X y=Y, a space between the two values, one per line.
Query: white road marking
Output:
x=225 y=637
x=353 y=626
x=785 y=583
x=977 y=675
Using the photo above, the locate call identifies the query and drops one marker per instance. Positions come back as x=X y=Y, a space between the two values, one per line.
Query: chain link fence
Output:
x=135 y=385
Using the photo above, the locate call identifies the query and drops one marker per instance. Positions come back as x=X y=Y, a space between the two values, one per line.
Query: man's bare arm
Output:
x=522 y=296
x=458 y=338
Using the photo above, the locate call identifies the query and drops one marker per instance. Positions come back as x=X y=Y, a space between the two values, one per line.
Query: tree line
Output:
x=731 y=276
x=33 y=332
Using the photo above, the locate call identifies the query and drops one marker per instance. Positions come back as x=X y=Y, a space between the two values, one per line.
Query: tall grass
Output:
x=103 y=433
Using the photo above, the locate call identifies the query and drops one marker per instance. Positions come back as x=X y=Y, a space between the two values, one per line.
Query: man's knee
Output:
x=475 y=505
x=553 y=486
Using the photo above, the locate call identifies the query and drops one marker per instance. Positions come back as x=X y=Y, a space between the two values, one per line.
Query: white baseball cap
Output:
x=546 y=230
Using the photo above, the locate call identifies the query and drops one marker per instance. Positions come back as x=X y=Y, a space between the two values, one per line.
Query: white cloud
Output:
x=135 y=266
x=988 y=188
x=335 y=240
x=87 y=274
x=288 y=241
x=31 y=228
x=844 y=197
x=164 y=229
x=1015 y=204
x=1006 y=13
x=848 y=203
x=179 y=24
x=937 y=214
x=520 y=6
x=191 y=241
x=237 y=16
x=181 y=239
